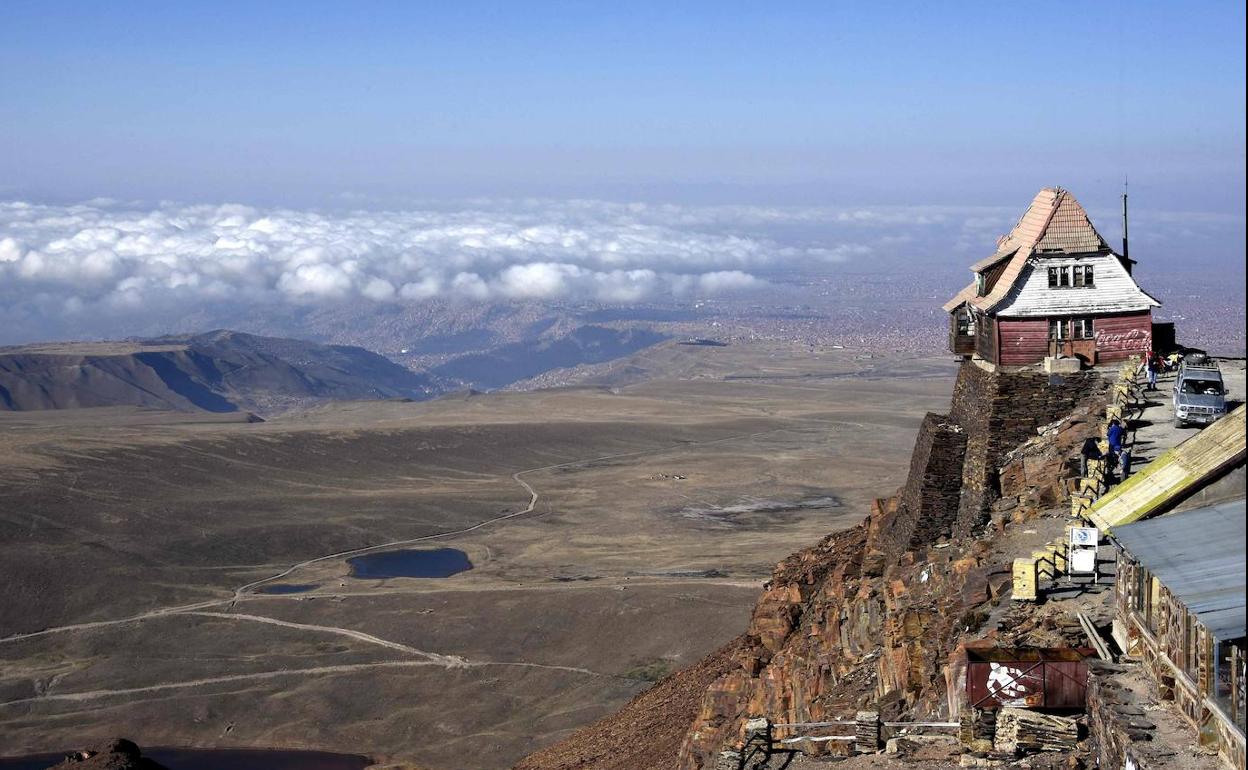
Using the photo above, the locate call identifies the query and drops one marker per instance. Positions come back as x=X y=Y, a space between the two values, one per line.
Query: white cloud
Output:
x=120 y=258
x=725 y=281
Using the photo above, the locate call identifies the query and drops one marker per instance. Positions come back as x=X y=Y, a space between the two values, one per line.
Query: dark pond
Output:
x=417 y=563
x=286 y=588
x=217 y=759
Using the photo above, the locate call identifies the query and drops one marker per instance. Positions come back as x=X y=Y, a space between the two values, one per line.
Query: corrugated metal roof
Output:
x=1199 y=556
x=1113 y=290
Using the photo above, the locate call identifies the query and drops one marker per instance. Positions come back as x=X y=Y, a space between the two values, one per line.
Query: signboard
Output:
x=1083 y=547
x=1084 y=537
x=1083 y=560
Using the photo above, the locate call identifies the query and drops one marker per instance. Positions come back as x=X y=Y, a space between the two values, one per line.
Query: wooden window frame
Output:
x=1072 y=277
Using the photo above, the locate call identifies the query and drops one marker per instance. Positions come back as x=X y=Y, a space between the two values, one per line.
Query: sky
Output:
x=387 y=150
x=297 y=103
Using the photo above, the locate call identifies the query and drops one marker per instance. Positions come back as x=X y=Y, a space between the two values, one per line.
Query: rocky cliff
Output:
x=870 y=615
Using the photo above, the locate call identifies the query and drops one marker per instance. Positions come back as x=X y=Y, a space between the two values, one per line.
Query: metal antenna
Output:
x=1126 y=256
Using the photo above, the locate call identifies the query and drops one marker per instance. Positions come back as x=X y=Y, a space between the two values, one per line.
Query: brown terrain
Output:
x=878 y=616
x=617 y=532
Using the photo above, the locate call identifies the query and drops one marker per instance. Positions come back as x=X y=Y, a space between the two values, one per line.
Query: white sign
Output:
x=1086 y=537
x=1083 y=561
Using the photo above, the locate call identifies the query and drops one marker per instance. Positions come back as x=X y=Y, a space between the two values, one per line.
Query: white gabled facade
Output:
x=1113 y=290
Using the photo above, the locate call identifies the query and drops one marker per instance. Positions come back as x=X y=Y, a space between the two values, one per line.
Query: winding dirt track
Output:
x=242 y=593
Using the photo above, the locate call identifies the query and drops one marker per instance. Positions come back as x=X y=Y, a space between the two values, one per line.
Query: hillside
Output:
x=185 y=578
x=867 y=617
x=220 y=371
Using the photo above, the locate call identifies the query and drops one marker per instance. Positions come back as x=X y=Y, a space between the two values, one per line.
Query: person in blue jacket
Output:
x=1114 y=436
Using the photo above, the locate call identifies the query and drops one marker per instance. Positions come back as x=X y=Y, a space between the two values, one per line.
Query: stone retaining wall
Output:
x=928 y=503
x=999 y=410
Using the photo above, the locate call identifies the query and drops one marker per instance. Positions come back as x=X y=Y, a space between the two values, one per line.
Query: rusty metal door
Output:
x=1010 y=683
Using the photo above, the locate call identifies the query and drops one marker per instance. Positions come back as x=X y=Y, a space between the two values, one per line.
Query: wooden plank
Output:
x=833 y=723
x=1021 y=730
x=1173 y=474
x=819 y=739
x=1102 y=651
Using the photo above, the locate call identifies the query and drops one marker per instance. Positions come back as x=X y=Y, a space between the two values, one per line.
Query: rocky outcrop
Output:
x=869 y=616
x=1043 y=471
x=117 y=754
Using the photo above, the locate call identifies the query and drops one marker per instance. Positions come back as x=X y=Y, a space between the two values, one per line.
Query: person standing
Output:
x=1114 y=436
x=1089 y=451
x=1152 y=363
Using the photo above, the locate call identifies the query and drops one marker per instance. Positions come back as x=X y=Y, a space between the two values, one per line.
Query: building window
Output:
x=1191 y=648
x=981 y=284
x=966 y=323
x=1142 y=600
x=1067 y=276
x=1083 y=329
x=1059 y=329
x=1228 y=679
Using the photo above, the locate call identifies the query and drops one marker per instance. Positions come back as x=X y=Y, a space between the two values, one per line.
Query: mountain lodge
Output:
x=1054 y=287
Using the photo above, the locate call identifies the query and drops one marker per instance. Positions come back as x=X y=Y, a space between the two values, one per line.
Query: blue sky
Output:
x=303 y=103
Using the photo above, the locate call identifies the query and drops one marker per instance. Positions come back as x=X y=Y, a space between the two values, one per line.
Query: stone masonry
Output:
x=928 y=505
x=999 y=410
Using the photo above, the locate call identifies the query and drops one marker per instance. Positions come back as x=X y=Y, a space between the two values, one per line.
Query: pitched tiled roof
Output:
x=1054 y=224
x=988 y=262
x=1069 y=230
x=966 y=295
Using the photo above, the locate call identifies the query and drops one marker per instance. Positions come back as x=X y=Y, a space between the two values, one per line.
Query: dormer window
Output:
x=981 y=284
x=1068 y=276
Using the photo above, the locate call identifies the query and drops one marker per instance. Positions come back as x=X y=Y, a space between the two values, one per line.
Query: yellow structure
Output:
x=1024 y=588
x=1173 y=474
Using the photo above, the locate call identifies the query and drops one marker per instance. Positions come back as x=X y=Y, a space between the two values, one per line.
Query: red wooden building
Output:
x=1053 y=287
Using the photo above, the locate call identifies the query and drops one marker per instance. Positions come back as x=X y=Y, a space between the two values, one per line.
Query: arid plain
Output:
x=617 y=531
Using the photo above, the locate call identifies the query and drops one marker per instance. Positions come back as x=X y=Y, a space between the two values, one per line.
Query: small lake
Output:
x=411 y=562
x=286 y=588
x=216 y=759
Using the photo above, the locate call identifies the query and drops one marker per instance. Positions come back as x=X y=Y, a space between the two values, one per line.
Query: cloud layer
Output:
x=119 y=268
x=118 y=257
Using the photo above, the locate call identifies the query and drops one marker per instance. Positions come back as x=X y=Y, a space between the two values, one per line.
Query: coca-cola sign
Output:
x=1129 y=340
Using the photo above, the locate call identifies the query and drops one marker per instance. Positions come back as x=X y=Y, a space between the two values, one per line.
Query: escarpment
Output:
x=868 y=617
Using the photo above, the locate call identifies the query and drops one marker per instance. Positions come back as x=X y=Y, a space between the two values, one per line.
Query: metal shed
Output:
x=1199 y=556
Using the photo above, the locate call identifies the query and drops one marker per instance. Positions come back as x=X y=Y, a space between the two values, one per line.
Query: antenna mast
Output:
x=1126 y=253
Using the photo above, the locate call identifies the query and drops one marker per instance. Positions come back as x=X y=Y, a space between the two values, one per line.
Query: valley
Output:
x=186 y=577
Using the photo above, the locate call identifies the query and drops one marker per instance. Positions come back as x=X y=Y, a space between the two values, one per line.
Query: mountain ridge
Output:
x=217 y=371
